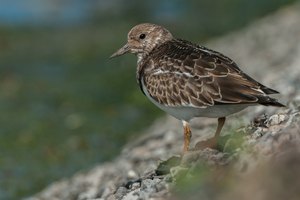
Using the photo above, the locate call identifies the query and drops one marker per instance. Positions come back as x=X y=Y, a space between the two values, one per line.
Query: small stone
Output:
x=132 y=174
x=135 y=186
x=276 y=119
x=260 y=121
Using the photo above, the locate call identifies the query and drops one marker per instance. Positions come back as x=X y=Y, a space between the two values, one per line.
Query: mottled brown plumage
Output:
x=179 y=73
x=187 y=80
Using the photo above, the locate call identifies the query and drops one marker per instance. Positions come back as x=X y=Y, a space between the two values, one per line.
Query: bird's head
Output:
x=143 y=38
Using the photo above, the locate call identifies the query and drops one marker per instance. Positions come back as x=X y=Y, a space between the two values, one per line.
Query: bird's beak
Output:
x=121 y=51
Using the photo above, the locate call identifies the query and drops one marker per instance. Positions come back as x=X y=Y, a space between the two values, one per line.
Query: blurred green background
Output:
x=64 y=106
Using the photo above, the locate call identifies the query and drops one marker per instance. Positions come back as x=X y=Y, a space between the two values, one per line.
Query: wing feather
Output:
x=190 y=75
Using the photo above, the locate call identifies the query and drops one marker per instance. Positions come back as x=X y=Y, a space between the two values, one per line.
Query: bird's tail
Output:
x=268 y=101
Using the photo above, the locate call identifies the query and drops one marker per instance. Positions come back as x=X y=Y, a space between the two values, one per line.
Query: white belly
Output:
x=188 y=113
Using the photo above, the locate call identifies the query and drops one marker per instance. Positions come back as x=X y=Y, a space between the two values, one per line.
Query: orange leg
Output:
x=212 y=142
x=187 y=136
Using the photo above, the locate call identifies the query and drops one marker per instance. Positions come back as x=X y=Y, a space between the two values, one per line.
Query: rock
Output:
x=261 y=146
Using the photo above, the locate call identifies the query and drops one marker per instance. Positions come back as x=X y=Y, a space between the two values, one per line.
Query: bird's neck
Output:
x=140 y=57
x=140 y=70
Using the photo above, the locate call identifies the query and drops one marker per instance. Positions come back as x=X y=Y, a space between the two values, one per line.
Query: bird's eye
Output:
x=142 y=36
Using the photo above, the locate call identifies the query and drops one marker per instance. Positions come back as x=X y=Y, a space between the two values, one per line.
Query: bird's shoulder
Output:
x=179 y=55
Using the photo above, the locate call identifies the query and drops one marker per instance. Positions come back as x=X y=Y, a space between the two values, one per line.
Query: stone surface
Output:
x=261 y=149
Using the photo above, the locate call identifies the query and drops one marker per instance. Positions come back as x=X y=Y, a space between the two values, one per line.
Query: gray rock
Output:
x=261 y=158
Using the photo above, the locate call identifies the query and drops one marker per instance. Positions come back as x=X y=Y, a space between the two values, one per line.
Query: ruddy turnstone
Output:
x=188 y=80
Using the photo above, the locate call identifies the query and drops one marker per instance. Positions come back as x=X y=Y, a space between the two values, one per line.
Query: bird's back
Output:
x=180 y=73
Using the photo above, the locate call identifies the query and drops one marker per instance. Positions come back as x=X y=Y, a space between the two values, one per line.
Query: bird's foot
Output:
x=211 y=143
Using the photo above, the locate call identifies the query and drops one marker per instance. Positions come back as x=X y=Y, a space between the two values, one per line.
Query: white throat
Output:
x=139 y=57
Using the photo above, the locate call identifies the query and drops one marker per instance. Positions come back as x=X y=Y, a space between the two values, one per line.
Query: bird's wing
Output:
x=189 y=75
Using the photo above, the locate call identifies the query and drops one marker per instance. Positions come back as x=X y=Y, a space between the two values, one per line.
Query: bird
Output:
x=188 y=80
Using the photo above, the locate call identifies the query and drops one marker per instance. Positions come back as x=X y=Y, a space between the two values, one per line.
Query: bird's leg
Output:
x=212 y=142
x=187 y=136
x=221 y=122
